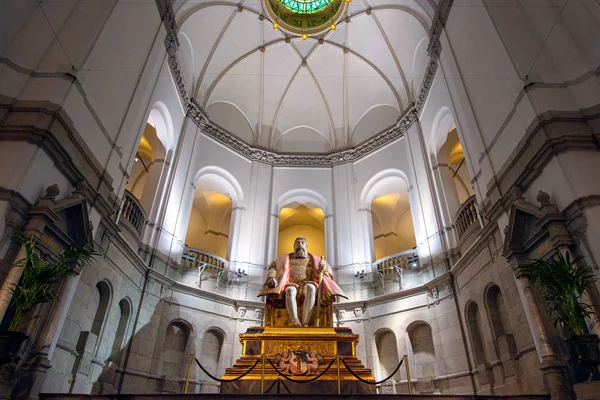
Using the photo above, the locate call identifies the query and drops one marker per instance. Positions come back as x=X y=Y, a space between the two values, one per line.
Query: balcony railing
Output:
x=393 y=267
x=133 y=212
x=466 y=216
x=206 y=263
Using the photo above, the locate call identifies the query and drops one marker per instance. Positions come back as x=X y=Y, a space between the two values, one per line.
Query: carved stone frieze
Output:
x=254 y=153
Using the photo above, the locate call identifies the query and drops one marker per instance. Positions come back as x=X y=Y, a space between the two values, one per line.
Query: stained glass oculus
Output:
x=305 y=6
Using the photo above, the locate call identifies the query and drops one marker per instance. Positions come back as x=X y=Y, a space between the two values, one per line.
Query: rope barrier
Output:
x=373 y=383
x=227 y=380
x=301 y=380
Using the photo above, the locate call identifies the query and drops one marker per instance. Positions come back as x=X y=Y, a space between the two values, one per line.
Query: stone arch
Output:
x=301 y=199
x=163 y=123
x=301 y=196
x=222 y=181
x=384 y=239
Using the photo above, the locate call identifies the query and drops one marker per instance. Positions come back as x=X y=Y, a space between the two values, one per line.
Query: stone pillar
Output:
x=555 y=374
x=39 y=216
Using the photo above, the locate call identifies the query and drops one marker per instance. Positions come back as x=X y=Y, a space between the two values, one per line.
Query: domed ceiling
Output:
x=332 y=91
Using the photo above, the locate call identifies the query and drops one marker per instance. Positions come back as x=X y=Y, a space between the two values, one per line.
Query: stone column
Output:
x=554 y=371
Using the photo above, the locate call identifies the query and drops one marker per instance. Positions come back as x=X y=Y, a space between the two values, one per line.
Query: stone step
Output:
x=208 y=396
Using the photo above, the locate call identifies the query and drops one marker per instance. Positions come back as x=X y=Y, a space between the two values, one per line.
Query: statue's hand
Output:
x=271 y=282
x=322 y=264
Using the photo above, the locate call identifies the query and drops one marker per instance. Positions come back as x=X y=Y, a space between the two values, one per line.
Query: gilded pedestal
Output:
x=300 y=354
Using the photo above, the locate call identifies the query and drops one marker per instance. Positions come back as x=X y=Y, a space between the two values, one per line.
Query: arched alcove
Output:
x=474 y=325
x=173 y=355
x=453 y=179
x=100 y=302
x=121 y=333
x=387 y=353
x=301 y=220
x=210 y=353
x=422 y=348
x=149 y=164
x=213 y=216
x=504 y=341
x=390 y=217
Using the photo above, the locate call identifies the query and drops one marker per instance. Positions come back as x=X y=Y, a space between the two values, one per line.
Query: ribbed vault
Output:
x=272 y=89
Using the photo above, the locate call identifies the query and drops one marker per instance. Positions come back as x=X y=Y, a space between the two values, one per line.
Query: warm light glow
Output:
x=137 y=159
x=386 y=200
x=304 y=36
x=333 y=27
x=347 y=1
x=275 y=25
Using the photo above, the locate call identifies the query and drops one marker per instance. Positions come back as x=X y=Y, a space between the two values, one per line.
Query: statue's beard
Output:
x=300 y=252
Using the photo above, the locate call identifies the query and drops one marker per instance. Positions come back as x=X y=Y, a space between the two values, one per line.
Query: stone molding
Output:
x=549 y=134
x=48 y=126
x=256 y=153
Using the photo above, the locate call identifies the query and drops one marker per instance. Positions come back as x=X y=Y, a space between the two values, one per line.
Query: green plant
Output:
x=40 y=276
x=564 y=281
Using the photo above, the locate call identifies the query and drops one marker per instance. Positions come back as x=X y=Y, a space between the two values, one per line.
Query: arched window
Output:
x=173 y=350
x=120 y=335
x=387 y=353
x=422 y=348
x=210 y=353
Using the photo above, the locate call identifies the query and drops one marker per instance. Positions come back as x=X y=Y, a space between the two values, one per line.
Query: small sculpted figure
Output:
x=313 y=362
x=297 y=271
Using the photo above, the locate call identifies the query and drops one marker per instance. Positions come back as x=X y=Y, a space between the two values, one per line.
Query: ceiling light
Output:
x=304 y=36
x=347 y=1
x=137 y=159
x=333 y=27
x=275 y=25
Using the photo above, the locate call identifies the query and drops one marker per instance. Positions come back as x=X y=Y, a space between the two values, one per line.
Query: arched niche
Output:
x=173 y=357
x=301 y=212
x=422 y=349
x=210 y=354
x=149 y=168
x=504 y=342
x=451 y=172
x=385 y=206
x=120 y=339
x=214 y=215
x=386 y=346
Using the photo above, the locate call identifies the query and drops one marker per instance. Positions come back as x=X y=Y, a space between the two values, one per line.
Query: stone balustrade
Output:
x=206 y=263
x=133 y=212
x=408 y=259
x=466 y=216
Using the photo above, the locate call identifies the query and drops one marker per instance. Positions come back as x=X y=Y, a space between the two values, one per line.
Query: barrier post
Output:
x=338 y=374
x=408 y=374
x=262 y=376
x=189 y=371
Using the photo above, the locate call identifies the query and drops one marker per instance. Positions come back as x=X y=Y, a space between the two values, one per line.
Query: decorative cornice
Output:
x=255 y=153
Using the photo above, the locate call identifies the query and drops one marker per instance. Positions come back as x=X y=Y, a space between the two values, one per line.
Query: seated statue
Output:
x=300 y=276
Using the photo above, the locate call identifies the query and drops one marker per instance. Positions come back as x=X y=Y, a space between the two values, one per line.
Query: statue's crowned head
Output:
x=300 y=248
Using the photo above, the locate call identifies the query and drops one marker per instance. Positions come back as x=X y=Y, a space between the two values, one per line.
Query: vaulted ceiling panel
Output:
x=366 y=69
x=240 y=86
x=303 y=99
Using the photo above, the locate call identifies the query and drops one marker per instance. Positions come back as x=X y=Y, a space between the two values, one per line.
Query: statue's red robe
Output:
x=280 y=270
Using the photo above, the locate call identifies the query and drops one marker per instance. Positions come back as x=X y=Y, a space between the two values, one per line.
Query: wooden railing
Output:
x=133 y=212
x=206 y=263
x=466 y=216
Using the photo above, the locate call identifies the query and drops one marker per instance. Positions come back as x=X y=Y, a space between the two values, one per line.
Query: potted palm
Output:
x=36 y=286
x=564 y=282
